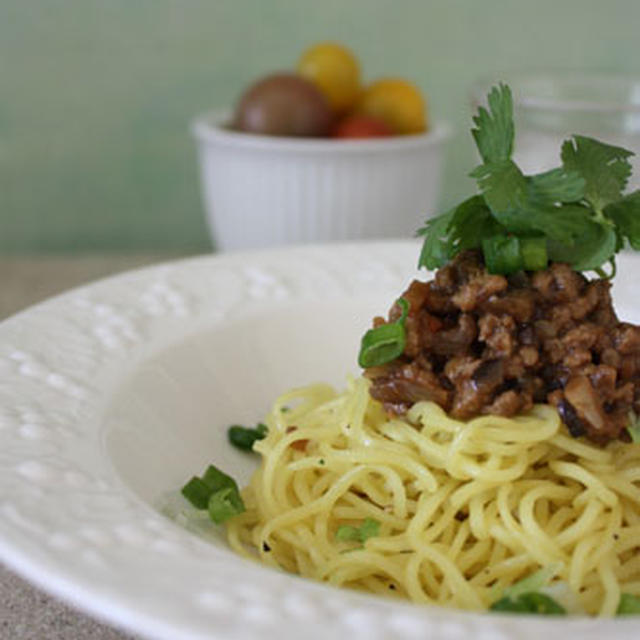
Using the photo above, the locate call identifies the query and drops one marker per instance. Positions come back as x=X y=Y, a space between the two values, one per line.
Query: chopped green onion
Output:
x=347 y=533
x=634 y=427
x=531 y=602
x=244 y=437
x=634 y=432
x=629 y=605
x=404 y=310
x=533 y=582
x=381 y=345
x=506 y=254
x=216 y=492
x=197 y=492
x=386 y=342
x=534 y=253
x=217 y=479
x=502 y=254
x=368 y=529
x=225 y=504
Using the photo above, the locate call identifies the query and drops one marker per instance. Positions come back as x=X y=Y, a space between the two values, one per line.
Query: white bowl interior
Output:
x=169 y=419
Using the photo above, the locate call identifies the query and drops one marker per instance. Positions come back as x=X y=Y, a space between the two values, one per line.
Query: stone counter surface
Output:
x=26 y=612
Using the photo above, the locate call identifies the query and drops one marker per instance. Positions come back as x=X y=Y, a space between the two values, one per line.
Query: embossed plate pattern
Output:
x=77 y=514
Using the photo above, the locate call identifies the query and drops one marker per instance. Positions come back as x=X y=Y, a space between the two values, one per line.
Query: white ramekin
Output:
x=261 y=191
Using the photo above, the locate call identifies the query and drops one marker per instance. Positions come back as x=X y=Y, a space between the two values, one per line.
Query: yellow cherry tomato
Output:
x=335 y=71
x=397 y=102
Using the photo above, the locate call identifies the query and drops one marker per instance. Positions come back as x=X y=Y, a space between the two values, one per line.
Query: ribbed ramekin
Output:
x=261 y=191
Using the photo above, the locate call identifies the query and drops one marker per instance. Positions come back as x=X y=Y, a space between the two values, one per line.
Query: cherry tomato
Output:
x=335 y=71
x=283 y=104
x=396 y=101
x=361 y=127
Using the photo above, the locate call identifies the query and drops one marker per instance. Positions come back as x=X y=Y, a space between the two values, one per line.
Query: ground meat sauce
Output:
x=488 y=344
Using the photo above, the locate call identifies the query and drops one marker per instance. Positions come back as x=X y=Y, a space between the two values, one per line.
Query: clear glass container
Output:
x=551 y=106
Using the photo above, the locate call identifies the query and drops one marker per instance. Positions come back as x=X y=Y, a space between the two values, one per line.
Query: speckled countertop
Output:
x=27 y=613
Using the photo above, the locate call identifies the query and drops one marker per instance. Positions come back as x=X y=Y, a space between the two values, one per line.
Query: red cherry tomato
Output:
x=361 y=127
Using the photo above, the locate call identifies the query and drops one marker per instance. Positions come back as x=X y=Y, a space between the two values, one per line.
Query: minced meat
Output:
x=479 y=343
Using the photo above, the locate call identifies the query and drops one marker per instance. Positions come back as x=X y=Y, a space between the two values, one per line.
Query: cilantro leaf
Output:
x=556 y=185
x=563 y=224
x=461 y=228
x=605 y=168
x=494 y=131
x=625 y=213
x=472 y=221
x=505 y=191
x=595 y=246
x=437 y=246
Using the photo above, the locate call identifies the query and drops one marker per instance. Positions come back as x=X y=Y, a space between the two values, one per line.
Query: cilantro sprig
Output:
x=575 y=213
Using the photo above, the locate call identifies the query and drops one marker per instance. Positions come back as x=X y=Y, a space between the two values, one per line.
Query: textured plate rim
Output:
x=88 y=334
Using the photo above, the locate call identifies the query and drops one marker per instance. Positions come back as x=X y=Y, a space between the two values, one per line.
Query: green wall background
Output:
x=96 y=96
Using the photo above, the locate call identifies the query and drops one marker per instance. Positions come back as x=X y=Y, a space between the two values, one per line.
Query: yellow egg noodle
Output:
x=466 y=509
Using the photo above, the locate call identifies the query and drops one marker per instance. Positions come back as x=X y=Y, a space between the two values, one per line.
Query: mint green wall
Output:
x=96 y=95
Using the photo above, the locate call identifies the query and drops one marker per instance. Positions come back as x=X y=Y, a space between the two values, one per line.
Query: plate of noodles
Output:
x=370 y=440
x=113 y=395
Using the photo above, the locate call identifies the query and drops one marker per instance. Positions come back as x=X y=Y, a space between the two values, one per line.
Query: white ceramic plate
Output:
x=114 y=393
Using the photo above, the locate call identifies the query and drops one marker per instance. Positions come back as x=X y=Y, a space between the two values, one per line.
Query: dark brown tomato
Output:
x=283 y=104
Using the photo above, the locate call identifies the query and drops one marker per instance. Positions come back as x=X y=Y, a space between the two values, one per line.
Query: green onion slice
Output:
x=534 y=253
x=533 y=582
x=531 y=602
x=244 y=437
x=368 y=529
x=216 y=479
x=506 y=254
x=347 y=533
x=197 y=492
x=502 y=254
x=225 y=504
x=634 y=427
x=216 y=492
x=629 y=605
x=386 y=342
